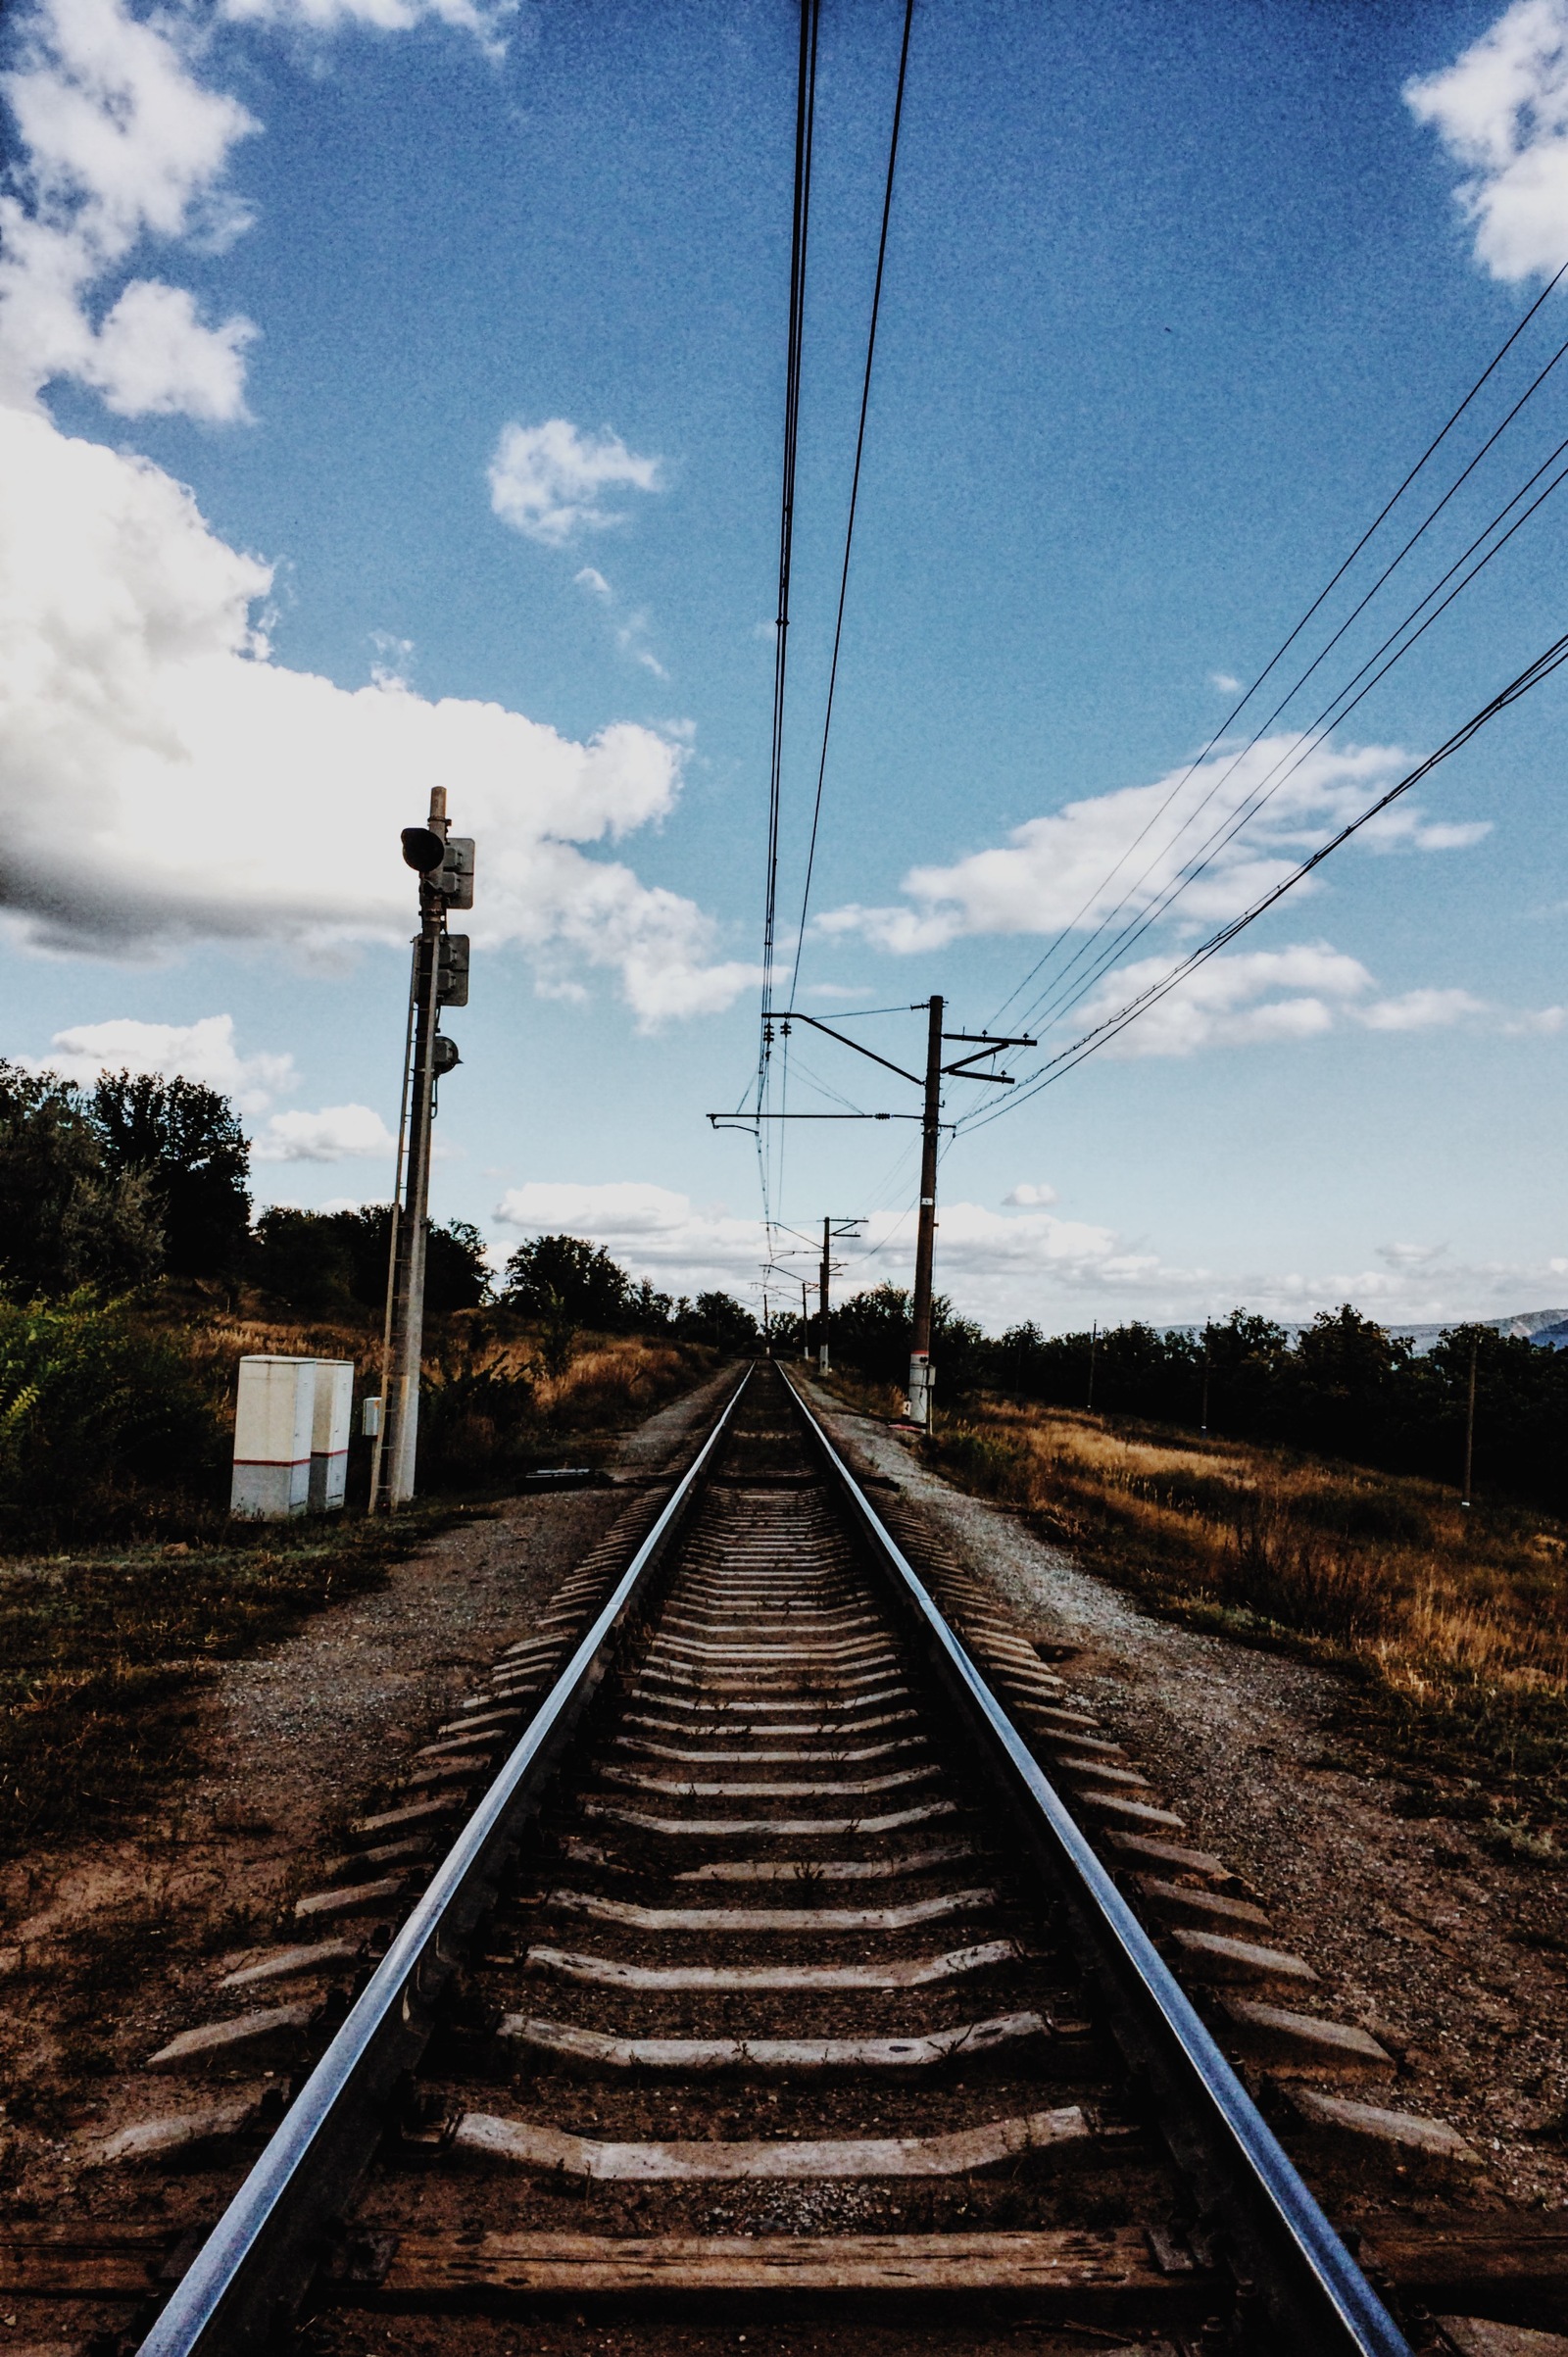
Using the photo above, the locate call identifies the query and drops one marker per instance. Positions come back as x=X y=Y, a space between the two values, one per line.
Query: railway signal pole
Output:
x=444 y=866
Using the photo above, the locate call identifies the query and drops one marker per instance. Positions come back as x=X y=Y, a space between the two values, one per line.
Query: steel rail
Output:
x=254 y=2268
x=1280 y=2243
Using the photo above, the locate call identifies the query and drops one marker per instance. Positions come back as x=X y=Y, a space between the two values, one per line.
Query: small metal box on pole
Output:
x=329 y=1434
x=275 y=1419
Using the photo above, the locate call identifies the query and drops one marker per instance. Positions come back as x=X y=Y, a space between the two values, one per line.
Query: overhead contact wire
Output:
x=804 y=124
x=855 y=480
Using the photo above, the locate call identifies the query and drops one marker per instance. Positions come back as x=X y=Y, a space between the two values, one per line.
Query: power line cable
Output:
x=804 y=127
x=1288 y=761
x=1229 y=769
x=855 y=480
x=1291 y=636
x=1067 y=1058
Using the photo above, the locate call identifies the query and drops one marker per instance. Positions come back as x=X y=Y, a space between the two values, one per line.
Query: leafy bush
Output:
x=477 y=1424
x=104 y=1426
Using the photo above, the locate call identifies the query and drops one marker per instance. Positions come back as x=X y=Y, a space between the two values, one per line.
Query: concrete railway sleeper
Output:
x=657 y=1929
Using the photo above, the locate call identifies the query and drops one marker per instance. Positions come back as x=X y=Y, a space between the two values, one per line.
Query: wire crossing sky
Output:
x=1167 y=414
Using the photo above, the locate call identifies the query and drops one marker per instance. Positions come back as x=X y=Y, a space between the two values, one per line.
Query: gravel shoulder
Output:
x=1456 y=1960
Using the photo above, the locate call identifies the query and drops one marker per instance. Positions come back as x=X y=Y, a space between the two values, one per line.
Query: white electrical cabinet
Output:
x=329 y=1437
x=275 y=1421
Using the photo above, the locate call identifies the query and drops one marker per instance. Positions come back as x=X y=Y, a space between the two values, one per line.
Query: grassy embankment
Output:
x=102 y=1646
x=1453 y=1625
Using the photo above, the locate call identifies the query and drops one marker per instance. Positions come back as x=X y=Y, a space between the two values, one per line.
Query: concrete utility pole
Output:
x=821 y=1337
x=805 y=1322
x=444 y=864
x=1470 y=1423
x=920 y=1368
x=982 y=1047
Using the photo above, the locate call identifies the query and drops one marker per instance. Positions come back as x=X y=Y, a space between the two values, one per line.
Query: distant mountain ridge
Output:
x=1549 y=1327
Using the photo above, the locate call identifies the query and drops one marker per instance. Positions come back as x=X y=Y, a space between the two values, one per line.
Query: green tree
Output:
x=187 y=1141
x=68 y=1220
x=562 y=1278
x=306 y=1261
x=719 y=1320
x=326 y=1263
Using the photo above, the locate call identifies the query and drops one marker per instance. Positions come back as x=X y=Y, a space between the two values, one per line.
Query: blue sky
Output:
x=462 y=327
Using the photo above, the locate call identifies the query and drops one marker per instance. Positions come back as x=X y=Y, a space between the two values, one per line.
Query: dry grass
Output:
x=1455 y=1623
x=100 y=1652
x=100 y=1646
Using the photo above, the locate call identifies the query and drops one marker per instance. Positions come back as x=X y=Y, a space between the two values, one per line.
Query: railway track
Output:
x=768 y=1972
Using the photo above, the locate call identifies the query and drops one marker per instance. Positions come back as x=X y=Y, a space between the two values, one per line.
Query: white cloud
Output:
x=117 y=141
x=593 y=581
x=1411 y=1255
x=1030 y=1196
x=334 y=1134
x=1502 y=111
x=203 y=1051
x=1223 y=681
x=1079 y=865
x=162 y=780
x=1005 y=1268
x=658 y=1232
x=1422 y=1010
x=484 y=19
x=548 y=480
x=631 y=638
x=1260 y=996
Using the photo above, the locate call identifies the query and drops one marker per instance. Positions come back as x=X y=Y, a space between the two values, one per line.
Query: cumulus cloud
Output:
x=336 y=1134
x=117 y=141
x=1502 y=111
x=204 y=1051
x=1260 y=996
x=549 y=482
x=1225 y=681
x=660 y=1233
x=593 y=581
x=1029 y=1196
x=162 y=780
x=1085 y=861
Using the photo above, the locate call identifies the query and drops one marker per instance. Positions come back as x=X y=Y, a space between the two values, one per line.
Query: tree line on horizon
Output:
x=109 y=1189
x=1339 y=1387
